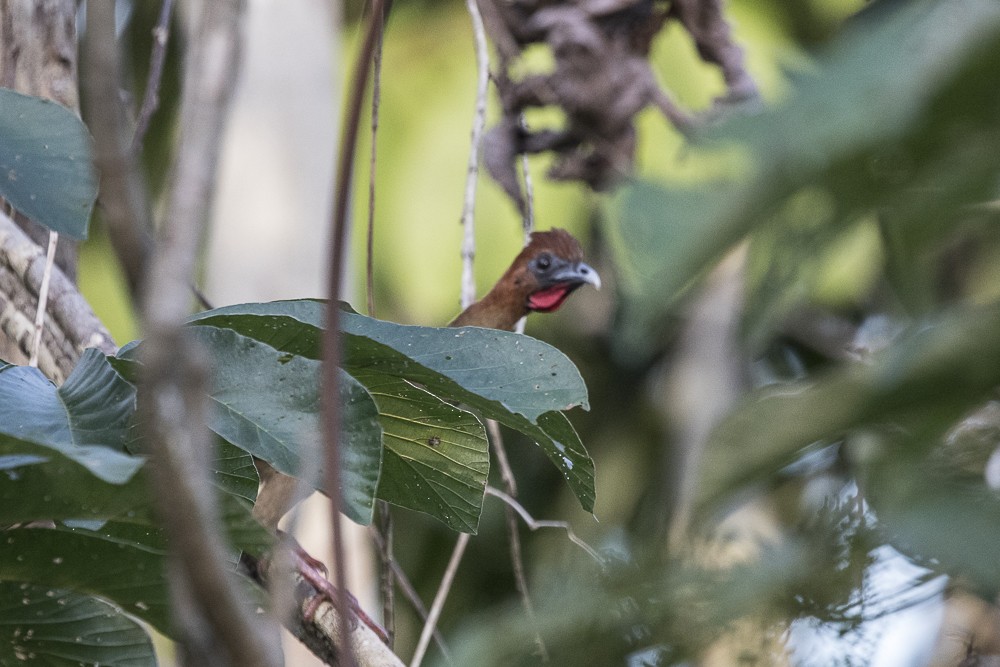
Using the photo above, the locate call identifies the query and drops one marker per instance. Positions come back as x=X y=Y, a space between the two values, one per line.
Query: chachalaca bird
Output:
x=540 y=279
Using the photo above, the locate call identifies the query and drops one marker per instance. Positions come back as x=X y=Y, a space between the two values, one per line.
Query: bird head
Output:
x=547 y=271
x=550 y=268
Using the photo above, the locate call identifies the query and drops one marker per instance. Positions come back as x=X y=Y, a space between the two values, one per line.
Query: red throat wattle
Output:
x=547 y=300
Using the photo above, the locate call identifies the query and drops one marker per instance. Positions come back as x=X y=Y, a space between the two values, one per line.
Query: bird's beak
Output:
x=580 y=272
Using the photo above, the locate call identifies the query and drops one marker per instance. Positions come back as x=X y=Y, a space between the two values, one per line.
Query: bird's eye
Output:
x=544 y=261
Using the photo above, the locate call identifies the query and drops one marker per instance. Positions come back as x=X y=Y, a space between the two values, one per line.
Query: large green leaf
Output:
x=515 y=379
x=267 y=403
x=45 y=163
x=40 y=625
x=436 y=458
x=85 y=420
x=899 y=114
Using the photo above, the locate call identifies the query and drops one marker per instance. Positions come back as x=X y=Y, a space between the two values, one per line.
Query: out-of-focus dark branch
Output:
x=376 y=101
x=330 y=373
x=215 y=622
x=151 y=98
x=123 y=195
x=383 y=518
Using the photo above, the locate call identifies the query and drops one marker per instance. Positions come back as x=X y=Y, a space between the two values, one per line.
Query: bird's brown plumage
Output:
x=541 y=277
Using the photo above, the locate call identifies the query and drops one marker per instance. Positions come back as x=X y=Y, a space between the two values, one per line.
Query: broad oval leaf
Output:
x=45 y=163
x=40 y=625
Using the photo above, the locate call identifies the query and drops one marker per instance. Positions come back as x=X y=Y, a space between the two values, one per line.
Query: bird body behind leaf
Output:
x=540 y=279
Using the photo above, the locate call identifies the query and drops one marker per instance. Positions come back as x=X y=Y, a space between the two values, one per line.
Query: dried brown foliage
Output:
x=601 y=80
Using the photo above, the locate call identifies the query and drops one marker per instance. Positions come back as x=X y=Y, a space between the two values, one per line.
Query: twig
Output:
x=330 y=372
x=439 y=599
x=534 y=524
x=215 y=622
x=43 y=298
x=516 y=557
x=410 y=592
x=151 y=98
x=528 y=222
x=478 y=125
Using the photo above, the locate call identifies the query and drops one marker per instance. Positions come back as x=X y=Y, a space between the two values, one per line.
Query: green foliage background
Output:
x=870 y=166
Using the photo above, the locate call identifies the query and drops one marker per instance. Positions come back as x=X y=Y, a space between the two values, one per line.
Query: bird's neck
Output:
x=501 y=308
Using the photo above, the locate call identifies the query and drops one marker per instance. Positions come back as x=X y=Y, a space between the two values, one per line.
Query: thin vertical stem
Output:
x=43 y=299
x=478 y=126
x=439 y=599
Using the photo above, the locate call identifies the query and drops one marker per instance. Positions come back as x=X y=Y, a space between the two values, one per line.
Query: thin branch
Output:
x=151 y=98
x=534 y=524
x=439 y=599
x=215 y=620
x=528 y=221
x=330 y=372
x=516 y=557
x=43 y=299
x=478 y=126
x=411 y=594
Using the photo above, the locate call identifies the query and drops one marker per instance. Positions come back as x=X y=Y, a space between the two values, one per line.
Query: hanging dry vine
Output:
x=602 y=78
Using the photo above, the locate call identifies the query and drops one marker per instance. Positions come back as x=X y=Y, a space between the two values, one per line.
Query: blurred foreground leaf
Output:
x=900 y=115
x=45 y=163
x=960 y=352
